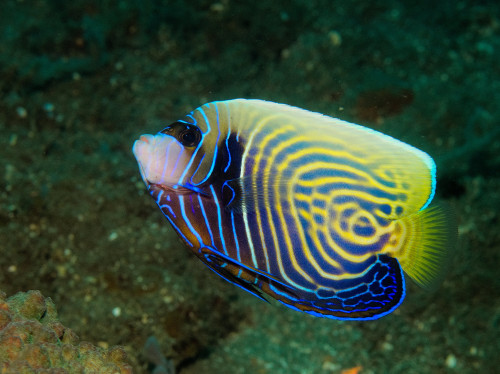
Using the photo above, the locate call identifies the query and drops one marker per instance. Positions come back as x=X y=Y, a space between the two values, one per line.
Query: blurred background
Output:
x=81 y=80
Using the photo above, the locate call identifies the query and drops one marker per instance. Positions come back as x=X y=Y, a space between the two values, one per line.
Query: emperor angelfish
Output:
x=321 y=214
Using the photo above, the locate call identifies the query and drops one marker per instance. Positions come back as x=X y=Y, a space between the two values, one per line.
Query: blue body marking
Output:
x=206 y=220
x=227 y=139
x=169 y=209
x=178 y=230
x=219 y=220
x=215 y=150
x=188 y=166
x=196 y=170
x=166 y=162
x=238 y=254
x=186 y=220
x=176 y=162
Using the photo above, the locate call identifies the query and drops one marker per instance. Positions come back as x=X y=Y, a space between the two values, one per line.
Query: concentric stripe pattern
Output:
x=298 y=206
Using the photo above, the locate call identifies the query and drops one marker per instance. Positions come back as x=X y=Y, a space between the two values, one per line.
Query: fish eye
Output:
x=188 y=135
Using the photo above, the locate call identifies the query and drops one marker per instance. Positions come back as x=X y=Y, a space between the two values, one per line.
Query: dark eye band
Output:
x=188 y=135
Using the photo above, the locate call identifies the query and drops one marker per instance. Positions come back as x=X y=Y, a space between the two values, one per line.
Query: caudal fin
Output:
x=432 y=235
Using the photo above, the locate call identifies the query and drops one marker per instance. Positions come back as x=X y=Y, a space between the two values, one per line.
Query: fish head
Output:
x=165 y=158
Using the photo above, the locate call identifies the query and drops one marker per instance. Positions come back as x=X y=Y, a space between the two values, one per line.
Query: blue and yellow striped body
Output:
x=311 y=210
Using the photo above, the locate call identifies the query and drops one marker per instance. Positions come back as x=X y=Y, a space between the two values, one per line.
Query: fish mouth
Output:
x=160 y=158
x=138 y=148
x=174 y=188
x=159 y=186
x=146 y=138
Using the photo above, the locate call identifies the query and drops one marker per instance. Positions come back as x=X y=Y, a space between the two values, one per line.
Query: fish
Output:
x=323 y=215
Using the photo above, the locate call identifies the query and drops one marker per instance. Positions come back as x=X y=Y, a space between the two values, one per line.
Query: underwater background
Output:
x=80 y=80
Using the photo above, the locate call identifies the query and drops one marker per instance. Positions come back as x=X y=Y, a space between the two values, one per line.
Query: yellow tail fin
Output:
x=432 y=234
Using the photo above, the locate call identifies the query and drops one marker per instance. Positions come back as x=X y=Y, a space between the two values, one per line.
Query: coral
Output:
x=32 y=340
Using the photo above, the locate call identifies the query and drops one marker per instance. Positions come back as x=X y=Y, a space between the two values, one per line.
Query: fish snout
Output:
x=159 y=158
